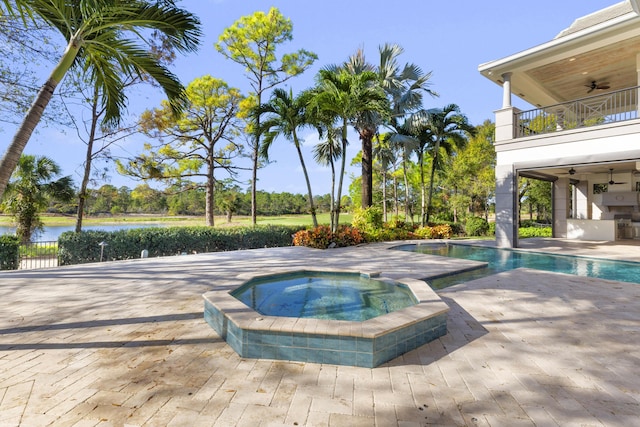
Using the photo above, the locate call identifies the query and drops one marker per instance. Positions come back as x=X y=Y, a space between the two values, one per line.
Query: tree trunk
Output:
x=210 y=194
x=333 y=192
x=16 y=147
x=306 y=178
x=406 y=190
x=396 y=207
x=455 y=207
x=254 y=182
x=422 y=190
x=82 y=195
x=384 y=195
x=343 y=164
x=256 y=158
x=433 y=173
x=367 y=167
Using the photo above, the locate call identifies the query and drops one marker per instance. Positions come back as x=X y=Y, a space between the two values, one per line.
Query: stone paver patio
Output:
x=125 y=343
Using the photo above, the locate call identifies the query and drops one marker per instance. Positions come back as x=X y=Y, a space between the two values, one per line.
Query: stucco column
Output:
x=505 y=124
x=560 y=206
x=638 y=83
x=506 y=207
x=506 y=90
x=581 y=200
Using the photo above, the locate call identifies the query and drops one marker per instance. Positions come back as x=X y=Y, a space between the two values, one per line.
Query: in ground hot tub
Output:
x=337 y=317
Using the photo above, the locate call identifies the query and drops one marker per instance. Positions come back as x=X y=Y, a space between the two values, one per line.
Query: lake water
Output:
x=53 y=232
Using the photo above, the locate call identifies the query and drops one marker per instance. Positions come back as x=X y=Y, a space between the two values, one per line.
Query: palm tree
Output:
x=385 y=154
x=327 y=152
x=403 y=142
x=30 y=191
x=340 y=98
x=286 y=114
x=403 y=86
x=446 y=128
x=101 y=39
x=415 y=136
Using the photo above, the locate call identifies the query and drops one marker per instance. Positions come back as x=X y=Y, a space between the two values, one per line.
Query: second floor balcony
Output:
x=610 y=107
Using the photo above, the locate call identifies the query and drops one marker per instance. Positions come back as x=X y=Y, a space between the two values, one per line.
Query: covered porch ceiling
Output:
x=564 y=68
x=578 y=171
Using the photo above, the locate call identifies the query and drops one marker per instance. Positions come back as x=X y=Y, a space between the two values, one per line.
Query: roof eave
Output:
x=493 y=69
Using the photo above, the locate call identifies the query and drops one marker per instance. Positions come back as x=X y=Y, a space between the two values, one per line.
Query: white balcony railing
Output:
x=595 y=110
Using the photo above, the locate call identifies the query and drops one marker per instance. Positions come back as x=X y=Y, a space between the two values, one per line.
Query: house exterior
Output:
x=582 y=132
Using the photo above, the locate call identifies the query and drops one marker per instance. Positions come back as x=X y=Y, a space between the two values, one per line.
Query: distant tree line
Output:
x=143 y=199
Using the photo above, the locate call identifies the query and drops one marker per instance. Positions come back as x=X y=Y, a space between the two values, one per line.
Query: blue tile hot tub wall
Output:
x=317 y=348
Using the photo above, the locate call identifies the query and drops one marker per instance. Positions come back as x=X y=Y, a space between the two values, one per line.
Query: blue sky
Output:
x=449 y=38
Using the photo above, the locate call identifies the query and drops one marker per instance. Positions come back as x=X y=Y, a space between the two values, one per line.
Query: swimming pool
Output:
x=507 y=259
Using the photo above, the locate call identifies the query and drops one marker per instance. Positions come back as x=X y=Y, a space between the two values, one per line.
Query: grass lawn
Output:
x=220 y=221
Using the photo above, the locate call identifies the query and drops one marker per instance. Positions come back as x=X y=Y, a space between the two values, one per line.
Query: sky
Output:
x=448 y=38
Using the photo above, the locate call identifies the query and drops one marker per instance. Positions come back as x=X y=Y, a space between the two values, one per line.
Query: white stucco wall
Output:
x=580 y=144
x=591 y=230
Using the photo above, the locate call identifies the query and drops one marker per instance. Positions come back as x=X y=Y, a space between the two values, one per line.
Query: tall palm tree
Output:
x=416 y=137
x=447 y=129
x=106 y=39
x=30 y=191
x=326 y=153
x=403 y=86
x=285 y=114
x=340 y=97
x=403 y=142
x=385 y=154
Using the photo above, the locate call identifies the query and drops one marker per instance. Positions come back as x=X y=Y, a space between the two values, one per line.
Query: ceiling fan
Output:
x=595 y=85
x=611 y=181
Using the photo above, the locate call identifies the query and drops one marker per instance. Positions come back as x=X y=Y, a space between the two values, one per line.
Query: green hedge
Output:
x=84 y=247
x=476 y=226
x=527 y=232
x=9 y=252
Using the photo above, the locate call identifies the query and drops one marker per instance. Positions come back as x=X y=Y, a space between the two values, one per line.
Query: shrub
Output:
x=9 y=252
x=526 y=232
x=457 y=228
x=321 y=237
x=367 y=219
x=476 y=226
x=441 y=231
x=392 y=230
x=492 y=229
x=78 y=248
x=425 y=232
x=526 y=223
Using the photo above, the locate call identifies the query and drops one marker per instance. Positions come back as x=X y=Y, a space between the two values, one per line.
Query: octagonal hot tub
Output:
x=323 y=316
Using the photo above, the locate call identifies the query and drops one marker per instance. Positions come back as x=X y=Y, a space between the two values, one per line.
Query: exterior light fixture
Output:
x=102 y=245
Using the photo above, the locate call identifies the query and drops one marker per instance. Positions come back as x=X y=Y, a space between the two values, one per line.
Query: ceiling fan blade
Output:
x=595 y=85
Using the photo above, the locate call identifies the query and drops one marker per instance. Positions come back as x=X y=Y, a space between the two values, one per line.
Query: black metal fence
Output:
x=38 y=255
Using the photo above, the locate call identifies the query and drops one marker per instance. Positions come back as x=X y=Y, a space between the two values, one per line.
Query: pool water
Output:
x=506 y=259
x=336 y=296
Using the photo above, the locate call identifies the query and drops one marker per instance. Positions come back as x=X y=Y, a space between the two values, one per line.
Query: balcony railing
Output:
x=595 y=110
